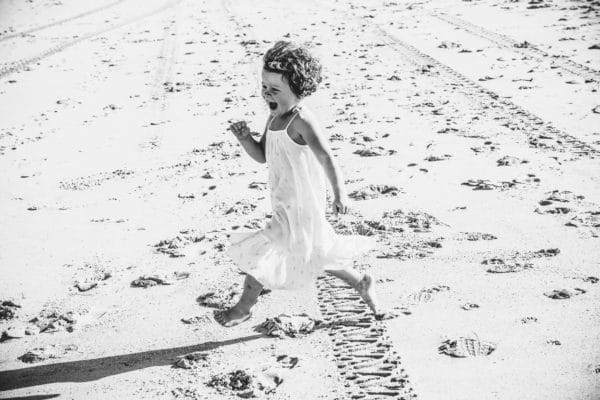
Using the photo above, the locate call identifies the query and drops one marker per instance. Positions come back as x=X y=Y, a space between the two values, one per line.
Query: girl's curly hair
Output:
x=301 y=70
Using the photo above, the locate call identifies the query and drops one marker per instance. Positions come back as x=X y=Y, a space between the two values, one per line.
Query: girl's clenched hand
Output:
x=340 y=206
x=240 y=130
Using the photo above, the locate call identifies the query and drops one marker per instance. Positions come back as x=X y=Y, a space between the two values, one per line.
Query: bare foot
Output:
x=231 y=317
x=365 y=289
x=367 y=292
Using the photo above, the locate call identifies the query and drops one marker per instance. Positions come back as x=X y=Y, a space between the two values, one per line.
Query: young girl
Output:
x=298 y=243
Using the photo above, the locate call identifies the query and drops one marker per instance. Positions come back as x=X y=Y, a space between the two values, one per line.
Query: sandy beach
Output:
x=468 y=133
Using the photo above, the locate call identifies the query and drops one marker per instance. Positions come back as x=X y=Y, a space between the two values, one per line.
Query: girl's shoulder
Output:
x=305 y=113
x=305 y=125
x=304 y=118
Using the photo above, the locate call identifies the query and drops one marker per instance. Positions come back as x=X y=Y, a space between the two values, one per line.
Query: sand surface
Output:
x=116 y=163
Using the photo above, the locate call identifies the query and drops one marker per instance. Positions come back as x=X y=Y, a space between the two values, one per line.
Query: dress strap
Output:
x=290 y=121
x=270 y=122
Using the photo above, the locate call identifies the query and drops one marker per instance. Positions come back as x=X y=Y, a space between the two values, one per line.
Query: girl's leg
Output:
x=362 y=284
x=241 y=311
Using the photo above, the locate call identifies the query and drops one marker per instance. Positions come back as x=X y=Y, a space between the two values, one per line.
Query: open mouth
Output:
x=272 y=105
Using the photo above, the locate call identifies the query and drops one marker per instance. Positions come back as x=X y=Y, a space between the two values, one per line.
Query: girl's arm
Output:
x=255 y=149
x=310 y=131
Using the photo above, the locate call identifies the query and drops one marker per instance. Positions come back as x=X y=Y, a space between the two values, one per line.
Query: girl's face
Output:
x=277 y=93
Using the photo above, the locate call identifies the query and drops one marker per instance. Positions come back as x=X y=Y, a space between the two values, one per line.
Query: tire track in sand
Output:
x=363 y=352
x=21 y=64
x=541 y=134
x=529 y=49
x=162 y=76
x=62 y=21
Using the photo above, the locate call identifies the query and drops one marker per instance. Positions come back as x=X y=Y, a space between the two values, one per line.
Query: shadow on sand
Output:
x=98 y=368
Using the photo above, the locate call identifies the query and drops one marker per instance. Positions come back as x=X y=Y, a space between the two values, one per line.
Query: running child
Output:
x=298 y=243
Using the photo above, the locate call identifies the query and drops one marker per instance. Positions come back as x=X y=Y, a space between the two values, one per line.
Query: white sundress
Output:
x=298 y=243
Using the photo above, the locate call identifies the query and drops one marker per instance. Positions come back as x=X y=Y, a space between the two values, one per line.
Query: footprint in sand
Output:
x=479 y=184
x=186 y=196
x=255 y=223
x=36 y=355
x=466 y=347
x=288 y=325
x=220 y=150
x=146 y=281
x=90 y=275
x=590 y=279
x=475 y=236
x=469 y=306
x=374 y=191
x=433 y=158
x=337 y=137
x=425 y=295
x=85 y=286
x=563 y=196
x=268 y=380
x=354 y=228
x=7 y=309
x=561 y=294
x=53 y=320
x=197 y=320
x=411 y=249
x=505 y=185
x=361 y=227
x=219 y=298
x=488 y=145
x=364 y=138
x=447 y=130
x=553 y=210
x=484 y=184
x=171 y=87
x=553 y=252
x=171 y=247
x=247 y=384
x=489 y=78
x=528 y=320
x=241 y=207
x=87 y=182
x=588 y=219
x=500 y=266
x=555 y=201
x=449 y=45
x=19 y=330
x=237 y=381
x=287 y=361
x=43 y=353
x=510 y=160
x=374 y=152
x=190 y=360
x=258 y=185
x=417 y=221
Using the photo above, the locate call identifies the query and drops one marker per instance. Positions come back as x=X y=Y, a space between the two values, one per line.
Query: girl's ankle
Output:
x=243 y=308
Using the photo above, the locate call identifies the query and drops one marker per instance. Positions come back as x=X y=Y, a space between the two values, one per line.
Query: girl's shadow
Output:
x=98 y=368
